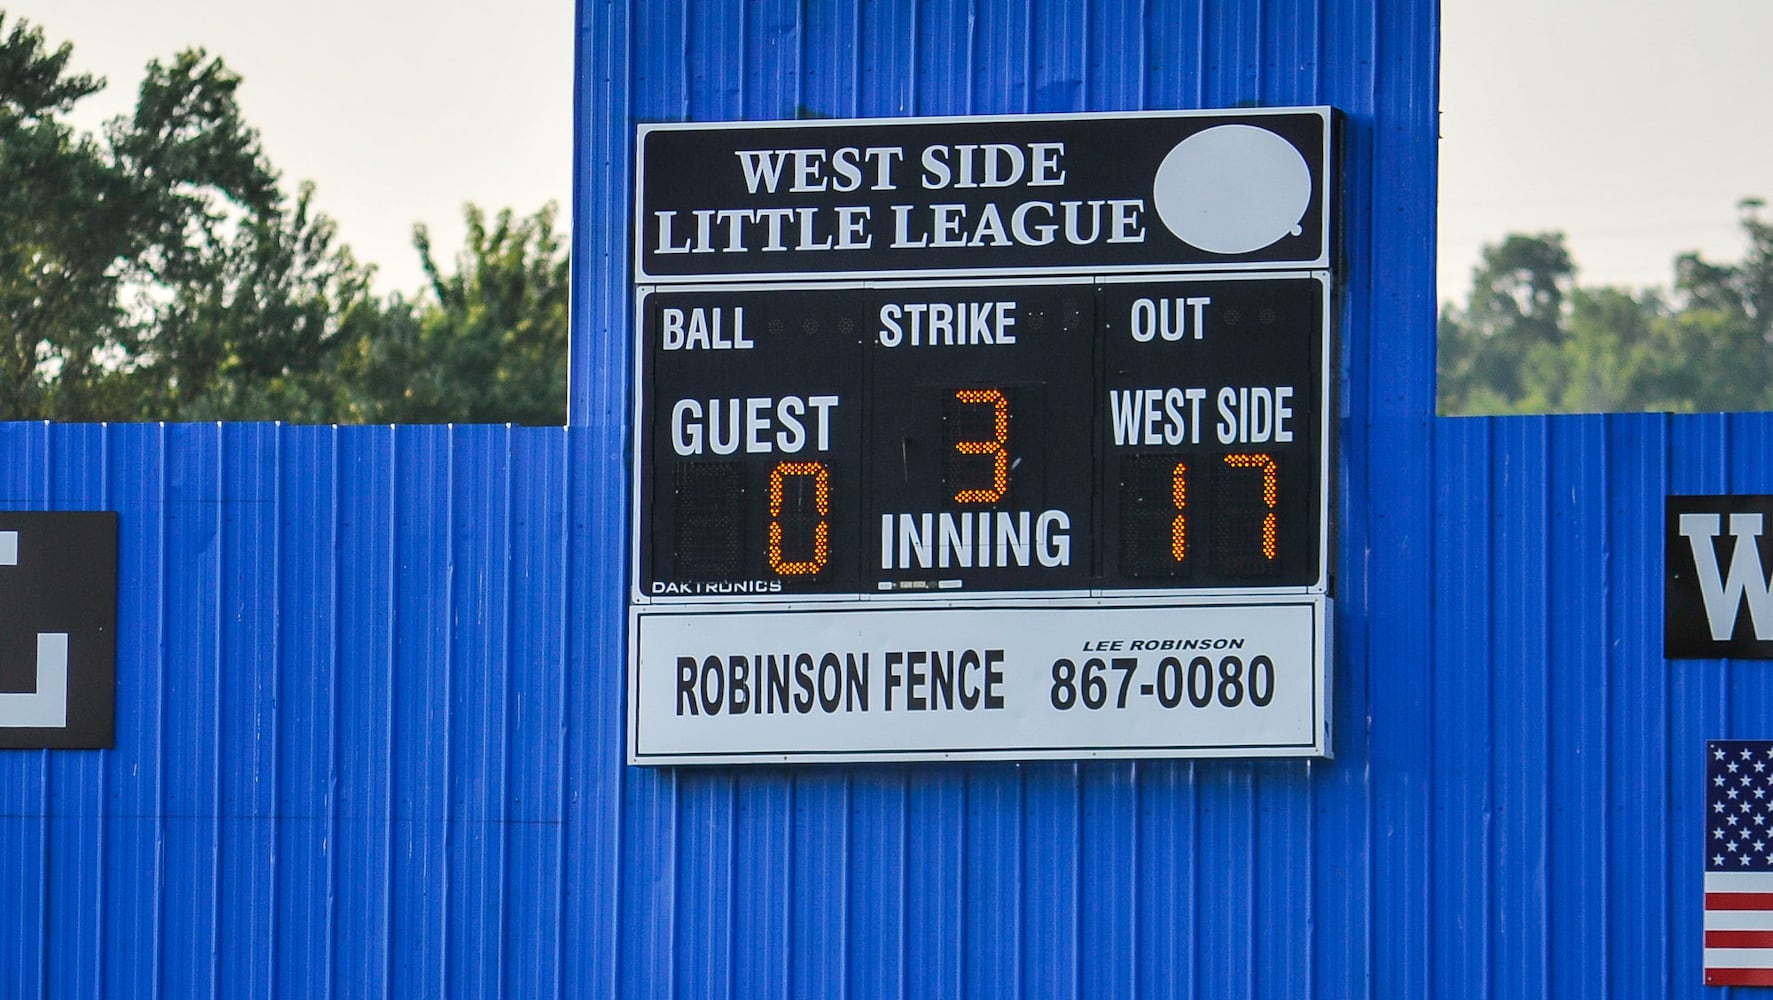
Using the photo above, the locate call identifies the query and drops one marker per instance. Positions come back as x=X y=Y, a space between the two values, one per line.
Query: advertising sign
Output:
x=1196 y=678
x=1081 y=194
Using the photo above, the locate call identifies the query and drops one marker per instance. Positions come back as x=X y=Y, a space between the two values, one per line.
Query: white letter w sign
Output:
x=1715 y=573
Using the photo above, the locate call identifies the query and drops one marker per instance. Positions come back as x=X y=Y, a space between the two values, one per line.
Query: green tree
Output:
x=1530 y=340
x=484 y=342
x=64 y=224
x=159 y=273
x=1714 y=351
x=1512 y=322
x=1605 y=356
x=258 y=326
x=243 y=295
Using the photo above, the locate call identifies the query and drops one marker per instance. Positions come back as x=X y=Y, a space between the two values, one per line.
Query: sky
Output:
x=400 y=111
x=1632 y=126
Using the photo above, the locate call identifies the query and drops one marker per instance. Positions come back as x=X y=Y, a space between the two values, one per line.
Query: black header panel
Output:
x=1221 y=190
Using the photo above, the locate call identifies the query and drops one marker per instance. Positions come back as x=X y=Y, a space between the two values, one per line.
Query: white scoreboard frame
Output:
x=1098 y=673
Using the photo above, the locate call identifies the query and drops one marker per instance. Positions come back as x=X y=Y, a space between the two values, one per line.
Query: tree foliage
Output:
x=160 y=272
x=1530 y=339
x=484 y=342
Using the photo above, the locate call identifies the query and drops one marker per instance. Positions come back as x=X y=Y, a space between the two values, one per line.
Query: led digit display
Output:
x=1215 y=400
x=1069 y=435
x=993 y=445
x=807 y=519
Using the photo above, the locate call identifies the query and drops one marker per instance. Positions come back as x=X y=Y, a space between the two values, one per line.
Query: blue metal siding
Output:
x=1567 y=784
x=1051 y=879
x=370 y=680
x=366 y=747
x=339 y=766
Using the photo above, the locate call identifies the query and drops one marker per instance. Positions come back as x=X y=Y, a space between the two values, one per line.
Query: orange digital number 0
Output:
x=821 y=504
x=1000 y=459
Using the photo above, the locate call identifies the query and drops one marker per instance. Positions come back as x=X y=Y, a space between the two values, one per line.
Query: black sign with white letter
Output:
x=1718 y=601
x=1220 y=190
x=58 y=615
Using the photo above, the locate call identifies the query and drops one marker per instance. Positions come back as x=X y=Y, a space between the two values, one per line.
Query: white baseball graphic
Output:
x=1232 y=189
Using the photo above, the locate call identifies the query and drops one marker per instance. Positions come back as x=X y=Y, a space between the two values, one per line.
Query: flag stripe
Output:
x=1739 y=900
x=1738 y=977
x=1739 y=920
x=1739 y=939
x=1738 y=958
x=1739 y=882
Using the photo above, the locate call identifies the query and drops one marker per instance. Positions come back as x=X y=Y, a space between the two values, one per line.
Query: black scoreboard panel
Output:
x=1062 y=435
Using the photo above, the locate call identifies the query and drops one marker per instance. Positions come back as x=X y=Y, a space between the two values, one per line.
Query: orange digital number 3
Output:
x=1000 y=459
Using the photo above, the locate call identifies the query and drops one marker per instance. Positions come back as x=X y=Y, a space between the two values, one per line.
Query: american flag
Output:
x=1739 y=863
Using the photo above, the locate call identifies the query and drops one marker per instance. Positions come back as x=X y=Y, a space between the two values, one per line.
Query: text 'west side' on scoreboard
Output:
x=1017 y=506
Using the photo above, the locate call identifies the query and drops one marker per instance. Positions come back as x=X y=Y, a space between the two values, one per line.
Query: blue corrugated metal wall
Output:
x=368 y=744
x=349 y=748
x=1101 y=879
x=369 y=732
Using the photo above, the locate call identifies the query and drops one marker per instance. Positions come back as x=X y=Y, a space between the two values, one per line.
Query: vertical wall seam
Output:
x=903 y=866
x=165 y=587
x=856 y=61
x=1135 y=850
x=392 y=666
x=795 y=857
x=1547 y=762
x=446 y=783
x=1607 y=691
x=799 y=80
x=732 y=898
x=846 y=885
x=218 y=698
x=278 y=616
x=1498 y=478
x=561 y=649
x=334 y=561
x=45 y=869
x=508 y=636
x=107 y=501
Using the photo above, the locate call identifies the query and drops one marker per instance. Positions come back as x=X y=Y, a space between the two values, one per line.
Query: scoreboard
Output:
x=1017 y=515
x=1036 y=437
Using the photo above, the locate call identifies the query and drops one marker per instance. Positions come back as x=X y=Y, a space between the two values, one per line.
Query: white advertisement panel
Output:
x=1192 y=679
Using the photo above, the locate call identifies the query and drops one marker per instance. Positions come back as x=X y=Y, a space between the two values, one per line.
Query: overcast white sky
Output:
x=400 y=111
x=1634 y=126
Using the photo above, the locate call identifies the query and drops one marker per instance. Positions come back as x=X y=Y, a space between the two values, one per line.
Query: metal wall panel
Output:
x=1154 y=878
x=366 y=746
x=341 y=716
x=369 y=715
x=1567 y=790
